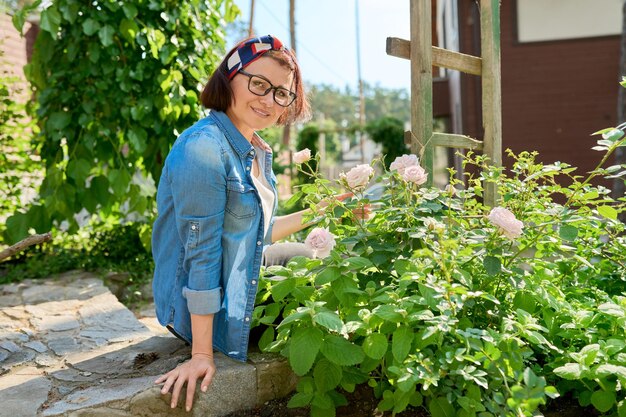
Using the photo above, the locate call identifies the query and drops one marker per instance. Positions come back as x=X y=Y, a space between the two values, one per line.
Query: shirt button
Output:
x=254 y=282
x=247 y=318
x=251 y=153
x=247 y=168
x=258 y=243
x=193 y=227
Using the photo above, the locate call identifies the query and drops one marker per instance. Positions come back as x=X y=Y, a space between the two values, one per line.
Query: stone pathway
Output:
x=68 y=347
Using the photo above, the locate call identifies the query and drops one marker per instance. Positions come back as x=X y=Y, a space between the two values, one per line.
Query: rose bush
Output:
x=432 y=306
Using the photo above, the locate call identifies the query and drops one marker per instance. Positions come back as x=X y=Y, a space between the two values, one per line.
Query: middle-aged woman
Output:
x=216 y=202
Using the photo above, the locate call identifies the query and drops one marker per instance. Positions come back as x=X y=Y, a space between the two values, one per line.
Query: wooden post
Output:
x=422 y=84
x=491 y=89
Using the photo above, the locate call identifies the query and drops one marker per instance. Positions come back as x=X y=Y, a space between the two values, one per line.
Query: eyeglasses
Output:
x=261 y=86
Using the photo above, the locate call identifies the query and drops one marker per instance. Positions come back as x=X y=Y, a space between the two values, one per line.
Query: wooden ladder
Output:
x=423 y=55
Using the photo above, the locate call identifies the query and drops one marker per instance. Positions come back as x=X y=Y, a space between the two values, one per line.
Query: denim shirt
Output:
x=208 y=238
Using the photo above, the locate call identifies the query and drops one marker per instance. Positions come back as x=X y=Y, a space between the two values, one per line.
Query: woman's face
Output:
x=250 y=112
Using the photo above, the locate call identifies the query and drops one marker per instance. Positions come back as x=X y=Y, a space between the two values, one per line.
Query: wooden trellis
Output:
x=423 y=56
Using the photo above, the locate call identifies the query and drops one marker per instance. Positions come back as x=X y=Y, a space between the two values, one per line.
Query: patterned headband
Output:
x=250 y=51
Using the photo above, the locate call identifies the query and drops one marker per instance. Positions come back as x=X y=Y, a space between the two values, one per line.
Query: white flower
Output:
x=359 y=176
x=403 y=162
x=320 y=241
x=506 y=222
x=451 y=190
x=433 y=224
x=302 y=156
x=416 y=174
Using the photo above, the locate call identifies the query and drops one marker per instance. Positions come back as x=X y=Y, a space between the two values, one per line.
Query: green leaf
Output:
x=106 y=35
x=571 y=371
x=305 y=344
x=613 y=135
x=401 y=342
x=50 y=21
x=130 y=10
x=608 y=212
x=388 y=312
x=78 y=169
x=317 y=411
x=492 y=265
x=129 y=29
x=568 y=232
x=99 y=190
x=440 y=407
x=327 y=375
x=90 y=26
x=58 y=120
x=603 y=401
x=329 y=320
x=340 y=351
x=300 y=399
x=120 y=180
x=358 y=263
x=375 y=345
x=266 y=338
x=138 y=139
x=327 y=275
x=525 y=301
x=282 y=288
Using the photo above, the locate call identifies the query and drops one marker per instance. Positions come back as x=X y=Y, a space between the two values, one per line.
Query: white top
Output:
x=266 y=194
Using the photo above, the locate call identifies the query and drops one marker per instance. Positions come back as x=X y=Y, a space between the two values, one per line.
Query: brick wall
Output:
x=554 y=94
x=16 y=49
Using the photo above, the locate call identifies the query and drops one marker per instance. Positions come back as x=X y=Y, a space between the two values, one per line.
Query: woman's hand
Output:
x=362 y=213
x=200 y=365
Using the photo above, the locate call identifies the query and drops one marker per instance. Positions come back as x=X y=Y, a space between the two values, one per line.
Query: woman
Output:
x=216 y=200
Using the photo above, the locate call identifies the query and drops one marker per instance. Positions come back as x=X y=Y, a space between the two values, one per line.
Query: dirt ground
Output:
x=363 y=404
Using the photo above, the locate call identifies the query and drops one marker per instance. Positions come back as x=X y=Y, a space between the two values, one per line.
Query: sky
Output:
x=326 y=39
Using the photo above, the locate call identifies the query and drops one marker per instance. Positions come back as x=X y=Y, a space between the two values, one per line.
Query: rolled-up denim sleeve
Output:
x=198 y=180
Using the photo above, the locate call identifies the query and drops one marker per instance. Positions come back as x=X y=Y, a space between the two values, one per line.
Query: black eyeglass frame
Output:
x=291 y=94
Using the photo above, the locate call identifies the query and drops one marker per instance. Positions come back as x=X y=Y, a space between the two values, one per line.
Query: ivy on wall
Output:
x=115 y=82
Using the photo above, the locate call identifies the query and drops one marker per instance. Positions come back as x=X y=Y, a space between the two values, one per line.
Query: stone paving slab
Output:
x=68 y=347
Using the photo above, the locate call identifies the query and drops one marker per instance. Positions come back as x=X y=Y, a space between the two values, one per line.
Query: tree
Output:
x=115 y=83
x=389 y=132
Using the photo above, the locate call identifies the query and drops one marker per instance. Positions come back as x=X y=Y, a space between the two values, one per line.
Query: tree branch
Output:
x=23 y=244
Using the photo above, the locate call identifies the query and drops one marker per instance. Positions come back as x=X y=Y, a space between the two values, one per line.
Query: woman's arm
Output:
x=201 y=364
x=289 y=224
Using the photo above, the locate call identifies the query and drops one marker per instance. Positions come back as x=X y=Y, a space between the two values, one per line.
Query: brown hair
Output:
x=218 y=95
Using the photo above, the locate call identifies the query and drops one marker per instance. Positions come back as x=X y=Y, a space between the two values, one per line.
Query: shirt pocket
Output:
x=241 y=200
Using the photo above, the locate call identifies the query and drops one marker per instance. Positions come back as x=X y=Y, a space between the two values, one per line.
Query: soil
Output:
x=362 y=403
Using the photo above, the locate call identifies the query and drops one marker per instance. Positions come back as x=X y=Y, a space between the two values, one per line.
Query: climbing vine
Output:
x=115 y=82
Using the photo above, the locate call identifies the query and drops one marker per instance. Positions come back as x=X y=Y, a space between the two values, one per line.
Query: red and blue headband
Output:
x=250 y=51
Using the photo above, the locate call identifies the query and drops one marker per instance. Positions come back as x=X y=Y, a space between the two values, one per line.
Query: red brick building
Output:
x=560 y=73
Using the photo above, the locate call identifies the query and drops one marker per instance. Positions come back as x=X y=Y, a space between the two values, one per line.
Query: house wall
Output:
x=16 y=49
x=554 y=93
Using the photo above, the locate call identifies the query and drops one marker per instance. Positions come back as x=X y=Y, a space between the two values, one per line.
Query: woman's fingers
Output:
x=191 y=389
x=208 y=378
x=176 y=391
x=343 y=196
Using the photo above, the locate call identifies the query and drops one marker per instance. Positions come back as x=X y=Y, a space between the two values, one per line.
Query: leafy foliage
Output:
x=115 y=83
x=18 y=170
x=104 y=248
x=432 y=306
x=389 y=132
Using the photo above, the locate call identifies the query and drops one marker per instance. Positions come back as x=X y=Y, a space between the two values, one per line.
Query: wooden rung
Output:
x=451 y=140
x=469 y=64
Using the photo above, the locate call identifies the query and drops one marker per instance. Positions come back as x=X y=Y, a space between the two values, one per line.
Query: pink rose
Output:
x=359 y=176
x=302 y=156
x=403 y=162
x=506 y=222
x=320 y=241
x=415 y=174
